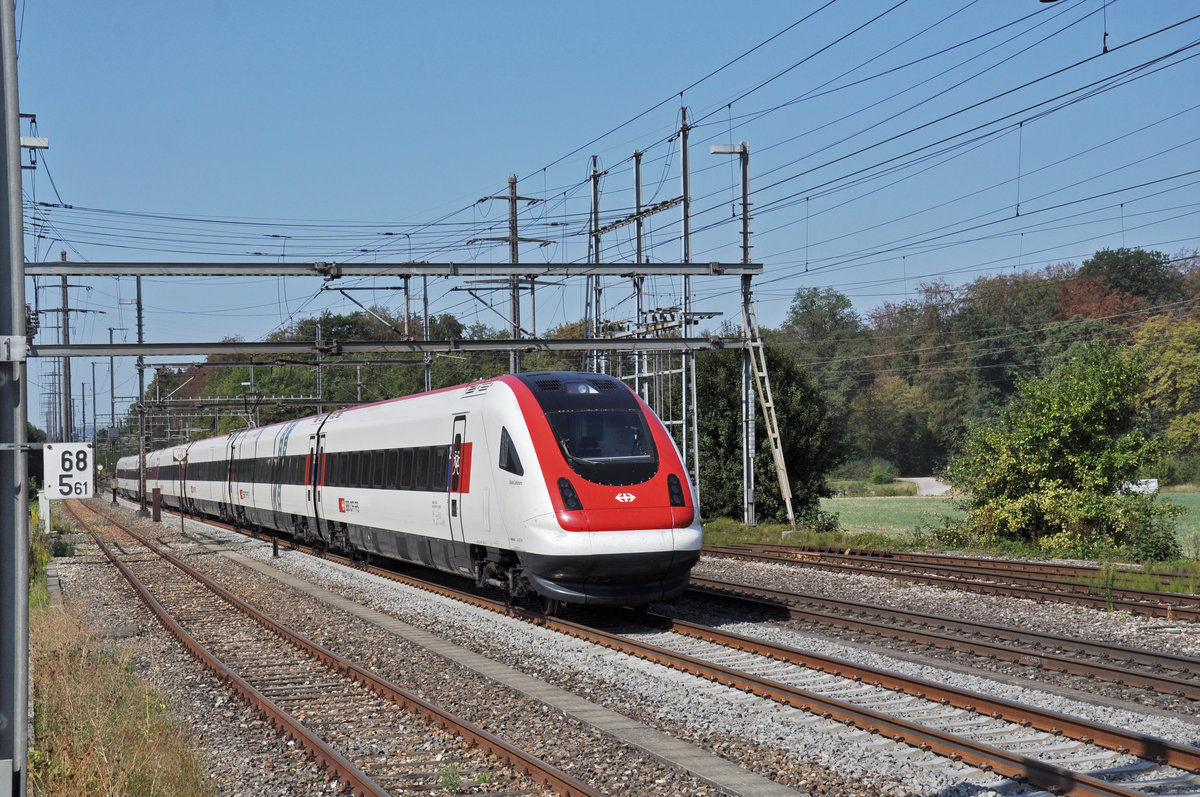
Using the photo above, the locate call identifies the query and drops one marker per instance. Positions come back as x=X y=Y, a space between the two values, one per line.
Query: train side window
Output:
x=378 y=468
x=439 y=472
x=406 y=469
x=509 y=460
x=364 y=469
x=393 y=464
x=421 y=469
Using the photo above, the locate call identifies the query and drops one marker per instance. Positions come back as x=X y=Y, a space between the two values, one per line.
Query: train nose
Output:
x=609 y=568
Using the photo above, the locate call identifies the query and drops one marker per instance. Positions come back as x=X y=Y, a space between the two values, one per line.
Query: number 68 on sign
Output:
x=68 y=470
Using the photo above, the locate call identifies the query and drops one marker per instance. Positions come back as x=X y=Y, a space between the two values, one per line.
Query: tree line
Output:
x=905 y=382
x=903 y=388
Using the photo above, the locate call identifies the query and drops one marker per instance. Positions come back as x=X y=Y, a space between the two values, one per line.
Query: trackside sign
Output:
x=68 y=470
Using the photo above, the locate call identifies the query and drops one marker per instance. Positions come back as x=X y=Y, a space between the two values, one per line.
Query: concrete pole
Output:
x=65 y=337
x=320 y=376
x=141 y=405
x=514 y=282
x=94 y=421
x=425 y=331
x=690 y=421
x=596 y=297
x=639 y=365
x=112 y=401
x=748 y=442
x=14 y=510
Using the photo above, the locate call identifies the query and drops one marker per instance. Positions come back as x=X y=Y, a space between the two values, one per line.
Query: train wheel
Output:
x=550 y=606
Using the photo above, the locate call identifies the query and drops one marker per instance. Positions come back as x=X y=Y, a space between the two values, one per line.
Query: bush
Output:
x=1052 y=467
x=865 y=489
x=882 y=474
x=863 y=469
x=1181 y=469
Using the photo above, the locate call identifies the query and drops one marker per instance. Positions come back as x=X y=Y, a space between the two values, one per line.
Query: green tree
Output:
x=890 y=420
x=1146 y=275
x=1053 y=470
x=1171 y=348
x=1172 y=351
x=804 y=425
x=829 y=339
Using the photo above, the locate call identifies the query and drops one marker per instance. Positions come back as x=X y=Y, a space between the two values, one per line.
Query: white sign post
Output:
x=68 y=471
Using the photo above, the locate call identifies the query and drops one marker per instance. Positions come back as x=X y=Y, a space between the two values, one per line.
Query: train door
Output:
x=231 y=497
x=460 y=476
x=312 y=477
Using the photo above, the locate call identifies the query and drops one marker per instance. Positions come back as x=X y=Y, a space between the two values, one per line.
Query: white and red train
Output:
x=561 y=484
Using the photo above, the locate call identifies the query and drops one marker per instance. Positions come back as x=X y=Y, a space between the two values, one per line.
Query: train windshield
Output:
x=606 y=446
x=598 y=424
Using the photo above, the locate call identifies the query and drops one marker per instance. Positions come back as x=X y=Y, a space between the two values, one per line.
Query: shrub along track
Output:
x=306 y=690
x=1033 y=580
x=963 y=726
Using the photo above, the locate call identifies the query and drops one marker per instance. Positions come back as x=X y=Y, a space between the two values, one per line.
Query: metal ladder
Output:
x=762 y=383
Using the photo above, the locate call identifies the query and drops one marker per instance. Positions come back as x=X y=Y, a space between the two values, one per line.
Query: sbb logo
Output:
x=625 y=498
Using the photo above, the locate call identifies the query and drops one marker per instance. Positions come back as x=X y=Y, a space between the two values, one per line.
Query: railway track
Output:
x=370 y=734
x=976 y=575
x=1080 y=757
x=1055 y=570
x=1053 y=751
x=1157 y=671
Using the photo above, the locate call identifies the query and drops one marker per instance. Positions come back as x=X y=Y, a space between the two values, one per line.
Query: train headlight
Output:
x=569 y=496
x=675 y=491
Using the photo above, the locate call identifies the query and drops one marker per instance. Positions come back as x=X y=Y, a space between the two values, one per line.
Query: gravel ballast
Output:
x=797 y=749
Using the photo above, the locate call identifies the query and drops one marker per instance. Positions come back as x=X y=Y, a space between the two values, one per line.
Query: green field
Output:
x=1188 y=529
x=891 y=516
x=900 y=516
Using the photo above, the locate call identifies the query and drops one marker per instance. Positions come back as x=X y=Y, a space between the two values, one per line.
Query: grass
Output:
x=903 y=522
x=889 y=517
x=1187 y=530
x=865 y=489
x=98 y=729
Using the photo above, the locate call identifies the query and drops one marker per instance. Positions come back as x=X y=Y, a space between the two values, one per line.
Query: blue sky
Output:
x=892 y=144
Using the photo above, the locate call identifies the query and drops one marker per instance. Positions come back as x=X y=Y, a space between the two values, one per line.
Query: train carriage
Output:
x=561 y=484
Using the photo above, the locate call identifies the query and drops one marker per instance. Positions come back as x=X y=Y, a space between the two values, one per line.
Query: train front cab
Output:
x=623 y=528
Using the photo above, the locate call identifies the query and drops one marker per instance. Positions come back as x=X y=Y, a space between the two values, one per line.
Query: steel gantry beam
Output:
x=336 y=270
x=335 y=347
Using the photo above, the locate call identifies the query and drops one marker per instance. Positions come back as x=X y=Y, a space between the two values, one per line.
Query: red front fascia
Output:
x=605 y=507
